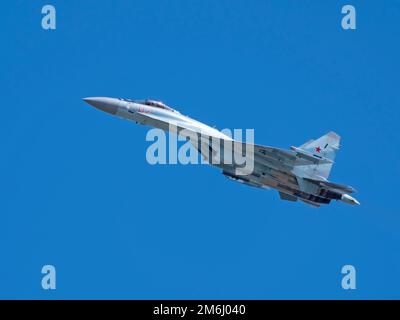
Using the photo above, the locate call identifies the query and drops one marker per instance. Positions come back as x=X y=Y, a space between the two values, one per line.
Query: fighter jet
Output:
x=299 y=173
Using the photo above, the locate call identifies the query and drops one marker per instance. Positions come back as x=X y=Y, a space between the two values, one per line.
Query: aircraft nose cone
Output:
x=108 y=105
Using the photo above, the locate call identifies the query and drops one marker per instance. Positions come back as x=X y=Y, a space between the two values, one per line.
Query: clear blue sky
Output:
x=77 y=192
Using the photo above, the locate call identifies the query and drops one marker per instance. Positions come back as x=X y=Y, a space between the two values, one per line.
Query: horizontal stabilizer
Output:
x=334 y=186
x=287 y=197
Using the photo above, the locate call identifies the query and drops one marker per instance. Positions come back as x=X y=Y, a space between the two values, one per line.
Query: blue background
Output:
x=76 y=190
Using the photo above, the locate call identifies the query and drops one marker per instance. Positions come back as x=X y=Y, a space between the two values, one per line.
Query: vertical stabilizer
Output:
x=324 y=147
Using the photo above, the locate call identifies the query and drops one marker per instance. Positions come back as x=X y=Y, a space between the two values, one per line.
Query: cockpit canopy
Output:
x=157 y=104
x=151 y=103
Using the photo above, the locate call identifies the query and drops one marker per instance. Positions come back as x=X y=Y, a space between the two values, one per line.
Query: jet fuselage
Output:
x=299 y=173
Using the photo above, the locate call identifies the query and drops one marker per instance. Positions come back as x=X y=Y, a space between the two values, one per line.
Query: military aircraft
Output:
x=300 y=173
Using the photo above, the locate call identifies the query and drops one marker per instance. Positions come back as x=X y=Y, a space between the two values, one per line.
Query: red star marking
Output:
x=318 y=149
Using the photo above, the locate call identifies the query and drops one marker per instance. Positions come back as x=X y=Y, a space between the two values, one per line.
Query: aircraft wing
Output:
x=262 y=154
x=278 y=154
x=280 y=159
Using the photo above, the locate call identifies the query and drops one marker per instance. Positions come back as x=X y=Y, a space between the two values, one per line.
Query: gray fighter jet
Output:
x=300 y=173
